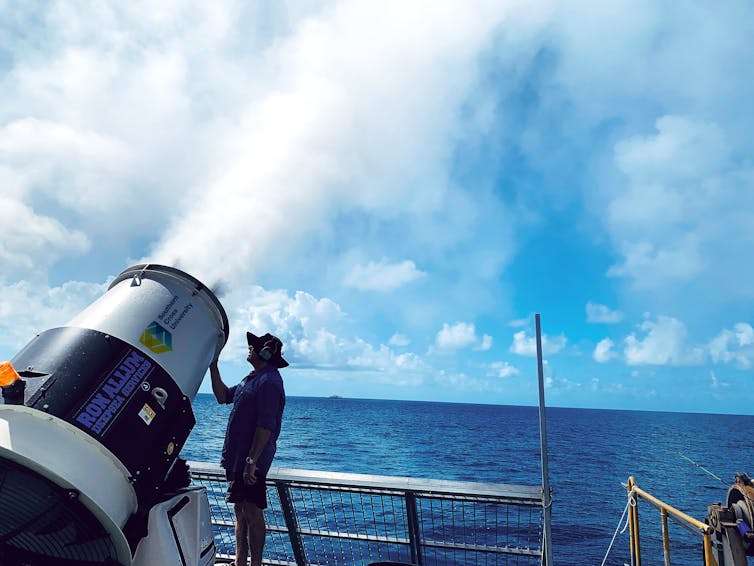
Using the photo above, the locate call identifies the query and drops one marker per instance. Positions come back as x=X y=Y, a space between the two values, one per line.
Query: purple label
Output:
x=107 y=401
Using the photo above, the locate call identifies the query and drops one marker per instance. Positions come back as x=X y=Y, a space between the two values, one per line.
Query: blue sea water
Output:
x=591 y=452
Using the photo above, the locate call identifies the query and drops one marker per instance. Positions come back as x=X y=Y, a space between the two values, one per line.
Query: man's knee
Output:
x=238 y=508
x=251 y=514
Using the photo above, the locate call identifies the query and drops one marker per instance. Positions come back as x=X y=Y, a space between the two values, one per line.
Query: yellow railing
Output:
x=634 y=494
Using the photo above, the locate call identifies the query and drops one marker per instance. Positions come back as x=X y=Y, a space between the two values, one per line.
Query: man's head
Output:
x=266 y=349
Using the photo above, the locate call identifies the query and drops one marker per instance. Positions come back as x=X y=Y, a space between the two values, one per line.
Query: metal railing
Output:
x=330 y=518
x=666 y=511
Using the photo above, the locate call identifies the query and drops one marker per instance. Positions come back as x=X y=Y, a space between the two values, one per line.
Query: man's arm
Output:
x=261 y=436
x=218 y=387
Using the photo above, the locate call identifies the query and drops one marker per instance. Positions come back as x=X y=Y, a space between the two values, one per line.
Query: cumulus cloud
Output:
x=503 y=369
x=603 y=352
x=524 y=345
x=684 y=193
x=463 y=382
x=597 y=313
x=382 y=275
x=30 y=241
x=736 y=346
x=664 y=343
x=383 y=359
x=485 y=344
x=458 y=336
x=27 y=309
x=399 y=340
x=314 y=332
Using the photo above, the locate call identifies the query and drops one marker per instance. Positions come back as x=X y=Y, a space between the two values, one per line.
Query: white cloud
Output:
x=652 y=266
x=382 y=276
x=31 y=242
x=736 y=345
x=452 y=337
x=503 y=369
x=27 y=309
x=314 y=333
x=684 y=194
x=603 y=352
x=399 y=340
x=455 y=337
x=463 y=382
x=663 y=344
x=524 y=345
x=520 y=322
x=597 y=313
x=716 y=383
x=744 y=334
x=485 y=344
x=383 y=359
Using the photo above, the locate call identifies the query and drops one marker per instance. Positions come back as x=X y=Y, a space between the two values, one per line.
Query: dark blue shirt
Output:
x=258 y=400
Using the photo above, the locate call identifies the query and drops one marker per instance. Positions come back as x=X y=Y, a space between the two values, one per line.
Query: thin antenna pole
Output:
x=546 y=495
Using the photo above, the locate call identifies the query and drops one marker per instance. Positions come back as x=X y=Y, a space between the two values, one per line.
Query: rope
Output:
x=609 y=548
x=705 y=470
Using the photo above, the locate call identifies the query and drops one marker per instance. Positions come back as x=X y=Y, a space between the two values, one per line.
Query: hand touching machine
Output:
x=92 y=420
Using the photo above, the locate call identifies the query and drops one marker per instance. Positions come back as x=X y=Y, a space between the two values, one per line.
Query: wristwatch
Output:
x=249 y=460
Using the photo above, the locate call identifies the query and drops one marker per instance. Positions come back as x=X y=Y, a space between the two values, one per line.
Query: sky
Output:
x=395 y=188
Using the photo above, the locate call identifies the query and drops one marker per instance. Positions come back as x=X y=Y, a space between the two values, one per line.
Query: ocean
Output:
x=591 y=453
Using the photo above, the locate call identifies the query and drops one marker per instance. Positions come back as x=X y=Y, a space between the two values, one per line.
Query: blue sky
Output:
x=395 y=188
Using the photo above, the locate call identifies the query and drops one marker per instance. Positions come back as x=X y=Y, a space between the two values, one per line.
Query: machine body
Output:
x=94 y=416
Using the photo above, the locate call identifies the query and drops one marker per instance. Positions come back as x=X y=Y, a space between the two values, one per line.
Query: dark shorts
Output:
x=238 y=491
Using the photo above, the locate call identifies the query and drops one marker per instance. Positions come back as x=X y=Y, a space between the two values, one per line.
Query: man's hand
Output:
x=249 y=473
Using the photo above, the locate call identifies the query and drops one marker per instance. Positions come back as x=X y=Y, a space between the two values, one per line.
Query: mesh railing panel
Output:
x=356 y=520
x=477 y=532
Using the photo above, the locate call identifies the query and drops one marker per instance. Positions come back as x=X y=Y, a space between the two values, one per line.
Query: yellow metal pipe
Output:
x=665 y=536
x=709 y=557
x=665 y=509
x=705 y=529
x=631 y=537
x=637 y=541
x=633 y=523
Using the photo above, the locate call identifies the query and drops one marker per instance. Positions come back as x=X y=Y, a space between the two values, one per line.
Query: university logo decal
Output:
x=156 y=338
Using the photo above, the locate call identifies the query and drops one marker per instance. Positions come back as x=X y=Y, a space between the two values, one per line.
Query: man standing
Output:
x=250 y=439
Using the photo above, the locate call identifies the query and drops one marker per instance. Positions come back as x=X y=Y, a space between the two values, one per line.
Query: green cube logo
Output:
x=156 y=338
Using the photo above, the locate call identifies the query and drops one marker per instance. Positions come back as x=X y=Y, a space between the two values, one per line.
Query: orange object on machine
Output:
x=8 y=374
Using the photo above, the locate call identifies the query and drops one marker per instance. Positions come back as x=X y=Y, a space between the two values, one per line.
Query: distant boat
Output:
x=334 y=397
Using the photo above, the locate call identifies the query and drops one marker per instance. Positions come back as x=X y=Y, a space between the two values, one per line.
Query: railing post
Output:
x=291 y=523
x=414 y=533
x=633 y=523
x=709 y=557
x=546 y=491
x=665 y=536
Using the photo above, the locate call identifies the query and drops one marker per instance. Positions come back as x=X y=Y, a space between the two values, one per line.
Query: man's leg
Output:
x=242 y=539
x=256 y=531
